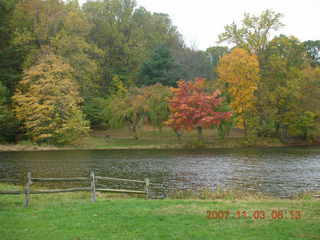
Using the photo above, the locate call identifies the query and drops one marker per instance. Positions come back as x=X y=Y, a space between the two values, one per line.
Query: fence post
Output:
x=146 y=187
x=27 y=190
x=93 y=186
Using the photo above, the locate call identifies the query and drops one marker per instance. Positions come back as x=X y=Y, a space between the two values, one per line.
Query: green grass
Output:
x=153 y=138
x=73 y=217
x=150 y=138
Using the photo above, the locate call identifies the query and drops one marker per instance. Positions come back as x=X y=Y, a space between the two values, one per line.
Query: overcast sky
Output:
x=201 y=21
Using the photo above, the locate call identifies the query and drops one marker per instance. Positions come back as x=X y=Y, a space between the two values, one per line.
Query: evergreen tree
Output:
x=160 y=68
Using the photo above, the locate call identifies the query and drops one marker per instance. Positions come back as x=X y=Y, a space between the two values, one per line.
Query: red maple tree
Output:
x=191 y=107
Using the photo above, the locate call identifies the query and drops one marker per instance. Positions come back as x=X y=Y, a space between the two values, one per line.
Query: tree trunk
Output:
x=283 y=132
x=245 y=129
x=277 y=129
x=177 y=134
x=134 y=131
x=305 y=135
x=200 y=137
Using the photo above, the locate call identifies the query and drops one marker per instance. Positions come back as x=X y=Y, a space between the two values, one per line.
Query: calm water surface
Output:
x=275 y=171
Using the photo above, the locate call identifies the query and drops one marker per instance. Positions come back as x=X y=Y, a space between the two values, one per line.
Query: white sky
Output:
x=201 y=21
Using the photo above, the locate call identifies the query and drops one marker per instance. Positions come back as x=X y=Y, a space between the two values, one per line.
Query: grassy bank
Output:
x=150 y=138
x=73 y=217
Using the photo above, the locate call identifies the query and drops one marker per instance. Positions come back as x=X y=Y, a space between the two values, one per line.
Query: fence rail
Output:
x=61 y=190
x=11 y=192
x=120 y=190
x=60 y=179
x=93 y=188
x=118 y=179
x=8 y=180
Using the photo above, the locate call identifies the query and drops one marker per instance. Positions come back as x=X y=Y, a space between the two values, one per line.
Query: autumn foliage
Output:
x=239 y=75
x=191 y=107
x=66 y=68
x=47 y=102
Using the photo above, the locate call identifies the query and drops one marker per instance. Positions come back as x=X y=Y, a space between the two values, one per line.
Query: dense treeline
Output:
x=278 y=80
x=66 y=69
x=52 y=48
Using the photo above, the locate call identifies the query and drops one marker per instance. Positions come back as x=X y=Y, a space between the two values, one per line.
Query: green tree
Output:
x=215 y=54
x=35 y=22
x=157 y=97
x=47 y=102
x=127 y=34
x=53 y=26
x=160 y=68
x=10 y=71
x=281 y=85
x=97 y=109
x=84 y=57
x=128 y=110
x=306 y=122
x=313 y=50
x=137 y=106
x=192 y=64
x=9 y=126
x=253 y=35
x=115 y=32
x=11 y=58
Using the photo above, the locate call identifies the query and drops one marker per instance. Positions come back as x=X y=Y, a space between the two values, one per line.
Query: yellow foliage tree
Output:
x=239 y=76
x=47 y=102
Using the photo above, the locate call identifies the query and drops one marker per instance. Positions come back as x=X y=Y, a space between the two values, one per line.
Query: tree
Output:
x=11 y=58
x=282 y=81
x=239 y=76
x=9 y=126
x=47 y=102
x=127 y=109
x=10 y=71
x=134 y=106
x=192 y=63
x=157 y=97
x=215 y=54
x=35 y=22
x=96 y=108
x=313 y=50
x=191 y=107
x=115 y=32
x=128 y=35
x=160 y=68
x=305 y=122
x=253 y=35
x=310 y=91
x=63 y=29
x=84 y=57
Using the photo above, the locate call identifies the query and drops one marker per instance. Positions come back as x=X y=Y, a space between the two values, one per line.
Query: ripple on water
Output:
x=276 y=171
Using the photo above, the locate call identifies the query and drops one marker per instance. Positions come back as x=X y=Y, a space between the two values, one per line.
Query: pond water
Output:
x=273 y=171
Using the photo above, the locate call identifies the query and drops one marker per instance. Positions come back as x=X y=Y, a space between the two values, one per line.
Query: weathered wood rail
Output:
x=8 y=180
x=93 y=188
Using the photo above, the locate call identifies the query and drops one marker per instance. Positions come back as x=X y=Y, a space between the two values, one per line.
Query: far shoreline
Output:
x=38 y=148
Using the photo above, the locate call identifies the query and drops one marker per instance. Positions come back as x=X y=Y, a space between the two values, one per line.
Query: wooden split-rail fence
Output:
x=93 y=188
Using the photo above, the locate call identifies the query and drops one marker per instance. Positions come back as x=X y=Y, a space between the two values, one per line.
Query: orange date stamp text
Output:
x=257 y=214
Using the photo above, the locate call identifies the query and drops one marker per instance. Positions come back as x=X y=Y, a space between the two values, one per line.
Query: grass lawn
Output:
x=72 y=216
x=153 y=138
x=149 y=138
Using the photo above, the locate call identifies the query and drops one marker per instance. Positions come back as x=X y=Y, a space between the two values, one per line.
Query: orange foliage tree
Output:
x=191 y=107
x=239 y=75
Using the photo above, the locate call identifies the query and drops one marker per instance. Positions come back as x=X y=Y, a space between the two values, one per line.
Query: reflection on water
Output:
x=277 y=171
